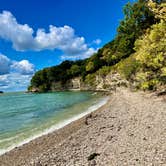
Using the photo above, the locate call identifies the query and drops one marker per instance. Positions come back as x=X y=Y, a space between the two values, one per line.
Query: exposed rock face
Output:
x=72 y=84
x=56 y=86
x=107 y=83
x=34 y=90
x=100 y=83
x=110 y=82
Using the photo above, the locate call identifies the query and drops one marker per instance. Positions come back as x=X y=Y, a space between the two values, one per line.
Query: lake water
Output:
x=25 y=116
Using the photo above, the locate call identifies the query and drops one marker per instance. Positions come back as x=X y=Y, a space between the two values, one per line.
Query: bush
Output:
x=90 y=79
x=128 y=67
x=105 y=70
x=150 y=53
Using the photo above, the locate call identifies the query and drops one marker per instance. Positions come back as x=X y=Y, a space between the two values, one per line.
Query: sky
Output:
x=43 y=33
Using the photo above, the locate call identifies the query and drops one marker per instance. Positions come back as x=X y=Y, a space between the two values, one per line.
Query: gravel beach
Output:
x=129 y=130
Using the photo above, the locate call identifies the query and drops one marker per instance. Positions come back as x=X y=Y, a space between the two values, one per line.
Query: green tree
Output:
x=151 y=53
x=74 y=70
x=90 y=66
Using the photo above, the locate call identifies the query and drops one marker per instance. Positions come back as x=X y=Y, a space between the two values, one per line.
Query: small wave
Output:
x=8 y=139
x=58 y=126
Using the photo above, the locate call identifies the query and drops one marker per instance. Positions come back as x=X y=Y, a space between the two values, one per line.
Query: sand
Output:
x=129 y=130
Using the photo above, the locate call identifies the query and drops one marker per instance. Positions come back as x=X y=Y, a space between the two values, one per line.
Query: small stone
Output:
x=39 y=164
x=92 y=156
x=93 y=163
x=119 y=128
x=110 y=137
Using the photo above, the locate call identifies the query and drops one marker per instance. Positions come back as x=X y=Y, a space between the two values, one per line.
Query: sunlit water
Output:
x=25 y=116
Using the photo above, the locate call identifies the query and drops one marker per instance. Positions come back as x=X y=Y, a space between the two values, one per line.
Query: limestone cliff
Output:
x=107 y=83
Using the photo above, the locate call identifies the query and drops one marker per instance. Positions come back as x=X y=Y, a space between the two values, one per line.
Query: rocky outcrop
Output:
x=100 y=83
x=110 y=82
x=57 y=86
x=72 y=84
x=107 y=83
x=34 y=90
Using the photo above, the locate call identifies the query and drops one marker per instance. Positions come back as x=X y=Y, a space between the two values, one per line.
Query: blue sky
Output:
x=38 y=34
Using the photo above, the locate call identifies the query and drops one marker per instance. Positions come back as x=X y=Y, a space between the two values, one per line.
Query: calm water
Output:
x=24 y=116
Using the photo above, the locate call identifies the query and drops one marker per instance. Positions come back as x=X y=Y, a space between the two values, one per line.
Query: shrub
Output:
x=128 y=67
x=90 y=79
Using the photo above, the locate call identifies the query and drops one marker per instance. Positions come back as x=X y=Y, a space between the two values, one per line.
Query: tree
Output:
x=158 y=8
x=90 y=66
x=74 y=70
x=151 y=53
x=137 y=19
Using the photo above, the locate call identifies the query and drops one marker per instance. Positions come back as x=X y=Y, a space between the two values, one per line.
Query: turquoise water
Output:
x=24 y=116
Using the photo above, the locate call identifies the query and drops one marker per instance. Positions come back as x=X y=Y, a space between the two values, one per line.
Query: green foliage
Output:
x=43 y=88
x=104 y=71
x=90 y=66
x=137 y=19
x=94 y=63
x=151 y=54
x=143 y=62
x=159 y=8
x=74 y=70
x=128 y=67
x=149 y=85
x=90 y=79
x=163 y=72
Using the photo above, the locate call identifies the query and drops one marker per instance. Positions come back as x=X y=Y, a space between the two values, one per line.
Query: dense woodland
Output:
x=137 y=53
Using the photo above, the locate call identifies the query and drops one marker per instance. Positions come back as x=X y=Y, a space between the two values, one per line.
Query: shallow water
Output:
x=24 y=116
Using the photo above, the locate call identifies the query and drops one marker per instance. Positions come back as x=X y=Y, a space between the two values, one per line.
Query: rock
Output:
x=161 y=93
x=34 y=90
x=144 y=138
x=38 y=164
x=93 y=156
x=88 y=117
x=92 y=163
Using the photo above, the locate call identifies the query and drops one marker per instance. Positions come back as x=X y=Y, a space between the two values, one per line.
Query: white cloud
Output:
x=97 y=41
x=15 y=75
x=4 y=64
x=14 y=82
x=7 y=65
x=62 y=38
x=82 y=55
x=19 y=35
x=56 y=37
x=23 y=67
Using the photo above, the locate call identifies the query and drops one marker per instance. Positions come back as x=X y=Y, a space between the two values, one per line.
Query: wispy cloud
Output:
x=97 y=41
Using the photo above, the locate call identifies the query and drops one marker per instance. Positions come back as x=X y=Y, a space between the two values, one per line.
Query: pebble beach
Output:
x=130 y=129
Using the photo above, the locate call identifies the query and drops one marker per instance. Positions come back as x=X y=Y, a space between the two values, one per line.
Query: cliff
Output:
x=107 y=83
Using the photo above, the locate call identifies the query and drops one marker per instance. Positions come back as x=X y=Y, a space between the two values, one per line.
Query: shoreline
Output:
x=57 y=126
x=128 y=130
